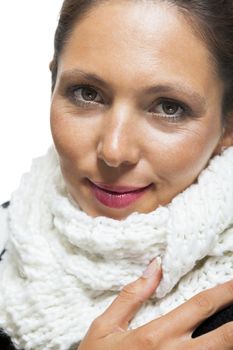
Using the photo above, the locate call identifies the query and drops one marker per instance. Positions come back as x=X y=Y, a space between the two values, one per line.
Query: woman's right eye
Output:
x=85 y=95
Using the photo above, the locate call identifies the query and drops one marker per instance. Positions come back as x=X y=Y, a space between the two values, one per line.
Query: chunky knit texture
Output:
x=63 y=268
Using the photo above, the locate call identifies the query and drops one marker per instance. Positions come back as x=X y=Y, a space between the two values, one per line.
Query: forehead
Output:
x=138 y=40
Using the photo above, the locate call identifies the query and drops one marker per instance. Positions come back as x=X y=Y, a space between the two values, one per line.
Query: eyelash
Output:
x=71 y=94
x=184 y=114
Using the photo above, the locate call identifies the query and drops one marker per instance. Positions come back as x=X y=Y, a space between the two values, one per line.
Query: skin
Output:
x=124 y=137
x=170 y=332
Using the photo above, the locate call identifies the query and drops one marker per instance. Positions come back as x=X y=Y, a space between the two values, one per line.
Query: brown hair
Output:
x=212 y=19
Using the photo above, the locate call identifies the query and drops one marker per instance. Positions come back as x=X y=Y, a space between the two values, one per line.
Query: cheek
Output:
x=181 y=155
x=74 y=137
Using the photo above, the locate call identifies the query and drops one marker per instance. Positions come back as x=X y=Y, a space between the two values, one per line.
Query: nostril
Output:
x=117 y=148
x=110 y=160
x=111 y=155
x=114 y=159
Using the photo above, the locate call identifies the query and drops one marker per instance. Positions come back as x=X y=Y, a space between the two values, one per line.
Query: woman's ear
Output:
x=226 y=139
x=51 y=65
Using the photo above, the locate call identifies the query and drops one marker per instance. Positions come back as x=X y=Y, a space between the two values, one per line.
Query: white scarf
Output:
x=63 y=267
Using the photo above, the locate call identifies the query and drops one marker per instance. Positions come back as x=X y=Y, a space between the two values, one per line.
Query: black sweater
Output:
x=215 y=321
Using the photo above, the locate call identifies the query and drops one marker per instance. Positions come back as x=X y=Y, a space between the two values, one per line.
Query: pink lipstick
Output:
x=117 y=196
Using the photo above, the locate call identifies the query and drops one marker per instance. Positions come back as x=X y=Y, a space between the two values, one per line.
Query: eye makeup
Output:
x=188 y=104
x=171 y=111
x=80 y=77
x=84 y=95
x=87 y=97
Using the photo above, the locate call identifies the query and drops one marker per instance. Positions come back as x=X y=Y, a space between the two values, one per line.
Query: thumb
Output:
x=118 y=315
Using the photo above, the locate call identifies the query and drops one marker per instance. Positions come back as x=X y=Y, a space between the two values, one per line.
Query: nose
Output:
x=118 y=143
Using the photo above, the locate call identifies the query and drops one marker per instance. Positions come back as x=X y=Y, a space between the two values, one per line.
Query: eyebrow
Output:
x=194 y=96
x=73 y=74
x=182 y=89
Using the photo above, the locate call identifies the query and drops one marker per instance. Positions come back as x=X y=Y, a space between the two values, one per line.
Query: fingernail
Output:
x=152 y=268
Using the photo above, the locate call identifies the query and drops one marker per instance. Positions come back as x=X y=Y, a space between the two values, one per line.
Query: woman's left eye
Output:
x=169 y=110
x=86 y=95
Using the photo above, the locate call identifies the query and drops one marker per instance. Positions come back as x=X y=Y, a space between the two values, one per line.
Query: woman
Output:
x=141 y=171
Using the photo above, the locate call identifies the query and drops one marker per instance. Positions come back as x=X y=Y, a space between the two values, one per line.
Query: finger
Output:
x=203 y=305
x=220 y=338
x=130 y=299
x=186 y=317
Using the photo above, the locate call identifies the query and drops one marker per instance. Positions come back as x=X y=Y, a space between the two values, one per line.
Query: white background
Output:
x=26 y=47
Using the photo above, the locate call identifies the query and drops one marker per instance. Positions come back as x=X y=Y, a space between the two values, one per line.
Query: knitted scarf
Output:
x=63 y=267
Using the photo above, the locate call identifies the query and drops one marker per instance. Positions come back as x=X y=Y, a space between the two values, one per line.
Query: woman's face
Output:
x=137 y=104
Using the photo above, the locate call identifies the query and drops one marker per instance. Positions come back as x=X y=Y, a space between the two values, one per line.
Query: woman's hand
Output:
x=170 y=332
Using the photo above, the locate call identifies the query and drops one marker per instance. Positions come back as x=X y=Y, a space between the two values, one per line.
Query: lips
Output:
x=117 y=196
